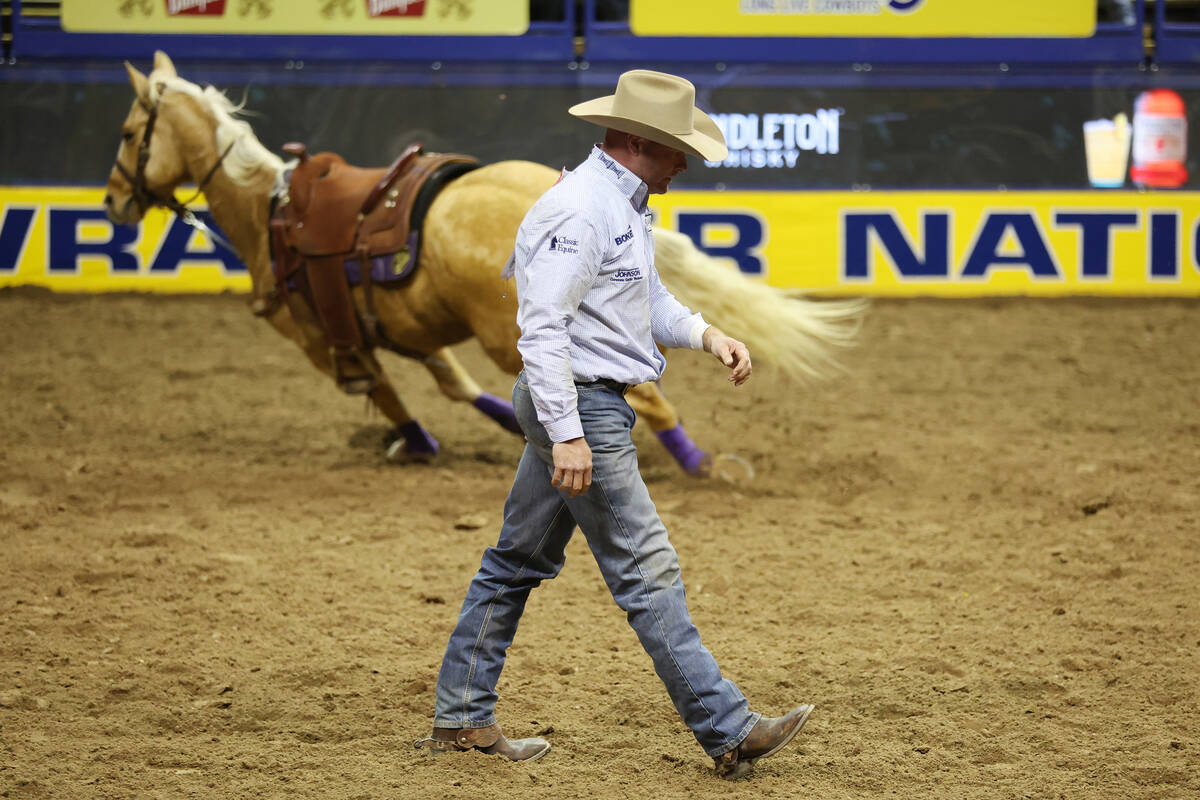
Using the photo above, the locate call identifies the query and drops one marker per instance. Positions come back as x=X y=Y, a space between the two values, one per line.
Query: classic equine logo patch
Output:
x=563 y=244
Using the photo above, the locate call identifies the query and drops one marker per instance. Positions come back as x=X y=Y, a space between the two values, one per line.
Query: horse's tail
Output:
x=794 y=334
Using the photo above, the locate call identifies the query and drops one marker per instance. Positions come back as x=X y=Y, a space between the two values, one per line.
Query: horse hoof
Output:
x=733 y=469
x=703 y=469
x=411 y=444
x=399 y=453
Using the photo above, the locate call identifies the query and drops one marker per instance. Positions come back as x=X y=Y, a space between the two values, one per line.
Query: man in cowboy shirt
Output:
x=591 y=308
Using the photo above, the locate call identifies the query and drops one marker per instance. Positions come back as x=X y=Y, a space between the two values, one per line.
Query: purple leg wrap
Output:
x=499 y=410
x=680 y=445
x=417 y=441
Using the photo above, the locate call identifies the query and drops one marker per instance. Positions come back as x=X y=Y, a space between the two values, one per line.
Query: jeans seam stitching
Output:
x=492 y=604
x=657 y=619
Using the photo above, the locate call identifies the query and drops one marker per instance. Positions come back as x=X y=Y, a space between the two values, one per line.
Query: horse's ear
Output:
x=141 y=85
x=163 y=64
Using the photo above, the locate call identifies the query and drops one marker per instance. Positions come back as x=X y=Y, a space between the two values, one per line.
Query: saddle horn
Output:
x=296 y=149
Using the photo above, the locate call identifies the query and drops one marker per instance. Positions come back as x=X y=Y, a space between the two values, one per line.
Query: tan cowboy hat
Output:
x=658 y=107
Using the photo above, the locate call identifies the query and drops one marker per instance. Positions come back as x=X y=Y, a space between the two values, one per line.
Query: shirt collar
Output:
x=626 y=182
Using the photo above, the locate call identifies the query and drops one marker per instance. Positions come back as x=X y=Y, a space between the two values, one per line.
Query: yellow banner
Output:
x=62 y=240
x=335 y=17
x=1021 y=18
x=951 y=244
x=885 y=244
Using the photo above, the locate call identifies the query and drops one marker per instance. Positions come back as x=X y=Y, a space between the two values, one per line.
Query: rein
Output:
x=146 y=198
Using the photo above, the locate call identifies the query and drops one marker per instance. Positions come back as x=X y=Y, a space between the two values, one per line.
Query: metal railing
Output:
x=1177 y=36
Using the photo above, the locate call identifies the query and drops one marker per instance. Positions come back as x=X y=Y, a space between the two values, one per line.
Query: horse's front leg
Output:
x=407 y=441
x=456 y=383
x=650 y=404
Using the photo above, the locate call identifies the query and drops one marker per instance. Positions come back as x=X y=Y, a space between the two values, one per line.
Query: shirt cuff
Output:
x=565 y=429
x=697 y=333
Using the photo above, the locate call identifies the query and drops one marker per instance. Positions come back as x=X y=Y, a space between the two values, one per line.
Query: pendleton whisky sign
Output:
x=337 y=17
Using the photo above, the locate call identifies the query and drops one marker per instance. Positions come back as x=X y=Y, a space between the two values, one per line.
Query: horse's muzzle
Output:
x=126 y=213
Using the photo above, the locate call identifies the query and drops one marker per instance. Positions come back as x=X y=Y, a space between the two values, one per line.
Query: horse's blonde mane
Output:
x=248 y=159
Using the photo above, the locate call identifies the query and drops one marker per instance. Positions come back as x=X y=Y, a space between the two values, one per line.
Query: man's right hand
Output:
x=572 y=466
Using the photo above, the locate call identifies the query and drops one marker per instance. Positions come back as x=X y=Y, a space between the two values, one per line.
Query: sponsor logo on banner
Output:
x=395 y=8
x=844 y=7
x=915 y=19
x=297 y=17
x=777 y=140
x=212 y=8
x=62 y=239
x=951 y=244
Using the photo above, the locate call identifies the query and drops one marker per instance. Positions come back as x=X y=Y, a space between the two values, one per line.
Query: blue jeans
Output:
x=635 y=557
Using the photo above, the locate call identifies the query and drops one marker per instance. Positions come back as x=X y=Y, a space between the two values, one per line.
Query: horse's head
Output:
x=150 y=161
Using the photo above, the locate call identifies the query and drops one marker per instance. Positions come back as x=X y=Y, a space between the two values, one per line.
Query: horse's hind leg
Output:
x=457 y=384
x=650 y=404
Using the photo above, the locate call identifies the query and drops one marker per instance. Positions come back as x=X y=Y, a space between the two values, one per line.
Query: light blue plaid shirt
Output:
x=590 y=302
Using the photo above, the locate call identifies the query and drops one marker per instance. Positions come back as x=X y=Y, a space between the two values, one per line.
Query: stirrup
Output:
x=355 y=382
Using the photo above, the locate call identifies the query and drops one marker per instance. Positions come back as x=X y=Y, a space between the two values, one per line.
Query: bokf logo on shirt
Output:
x=624 y=237
x=563 y=244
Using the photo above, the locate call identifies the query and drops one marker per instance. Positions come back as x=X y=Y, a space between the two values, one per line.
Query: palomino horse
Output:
x=177 y=132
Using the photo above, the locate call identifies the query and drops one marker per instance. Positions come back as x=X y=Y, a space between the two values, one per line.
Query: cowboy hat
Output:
x=658 y=107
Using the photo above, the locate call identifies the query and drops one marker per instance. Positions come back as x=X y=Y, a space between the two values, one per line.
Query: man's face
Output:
x=657 y=164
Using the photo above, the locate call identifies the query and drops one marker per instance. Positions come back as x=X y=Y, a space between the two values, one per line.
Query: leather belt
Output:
x=608 y=383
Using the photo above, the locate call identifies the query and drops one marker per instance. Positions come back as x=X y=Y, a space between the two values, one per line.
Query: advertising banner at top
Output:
x=334 y=17
x=882 y=18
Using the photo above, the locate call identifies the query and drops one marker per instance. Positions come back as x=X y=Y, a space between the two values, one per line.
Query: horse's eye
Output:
x=127 y=136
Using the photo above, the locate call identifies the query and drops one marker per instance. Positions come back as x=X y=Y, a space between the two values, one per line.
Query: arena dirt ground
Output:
x=976 y=554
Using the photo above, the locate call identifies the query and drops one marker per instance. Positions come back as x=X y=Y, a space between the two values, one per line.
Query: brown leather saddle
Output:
x=337 y=221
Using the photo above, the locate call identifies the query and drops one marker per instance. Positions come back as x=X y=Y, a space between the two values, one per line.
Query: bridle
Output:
x=146 y=198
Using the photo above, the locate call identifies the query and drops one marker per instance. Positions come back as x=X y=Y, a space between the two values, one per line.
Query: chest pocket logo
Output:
x=624 y=237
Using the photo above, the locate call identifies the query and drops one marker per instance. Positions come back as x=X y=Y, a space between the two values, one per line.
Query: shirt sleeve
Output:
x=557 y=260
x=671 y=323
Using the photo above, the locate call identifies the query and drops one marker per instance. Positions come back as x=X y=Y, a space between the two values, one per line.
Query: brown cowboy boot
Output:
x=766 y=738
x=487 y=740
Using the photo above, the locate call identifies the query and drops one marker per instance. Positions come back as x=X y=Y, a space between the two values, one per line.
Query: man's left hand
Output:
x=730 y=352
